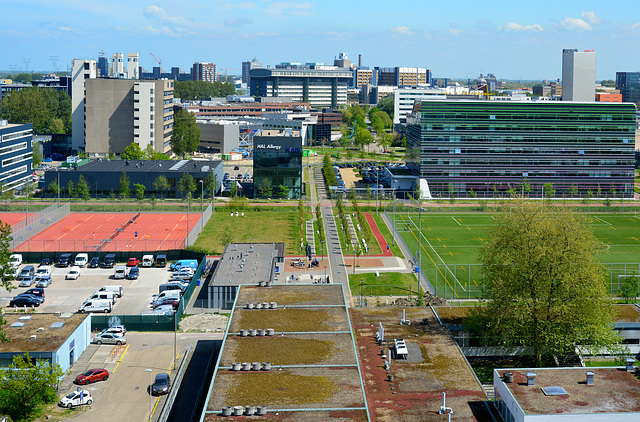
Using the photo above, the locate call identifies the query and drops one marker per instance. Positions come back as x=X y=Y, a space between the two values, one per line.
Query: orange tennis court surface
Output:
x=12 y=218
x=115 y=232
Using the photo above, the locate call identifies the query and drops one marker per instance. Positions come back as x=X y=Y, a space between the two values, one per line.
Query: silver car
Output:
x=27 y=281
x=109 y=338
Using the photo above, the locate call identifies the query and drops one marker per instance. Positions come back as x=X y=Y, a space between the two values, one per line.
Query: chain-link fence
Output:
x=197 y=229
x=96 y=245
x=37 y=222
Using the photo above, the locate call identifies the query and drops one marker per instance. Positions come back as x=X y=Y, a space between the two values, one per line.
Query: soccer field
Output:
x=450 y=245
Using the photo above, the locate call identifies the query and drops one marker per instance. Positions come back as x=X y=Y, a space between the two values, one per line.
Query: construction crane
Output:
x=225 y=71
x=156 y=59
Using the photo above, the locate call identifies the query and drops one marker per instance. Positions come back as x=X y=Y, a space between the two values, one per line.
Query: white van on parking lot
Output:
x=166 y=294
x=147 y=261
x=96 y=305
x=114 y=288
x=103 y=295
x=81 y=260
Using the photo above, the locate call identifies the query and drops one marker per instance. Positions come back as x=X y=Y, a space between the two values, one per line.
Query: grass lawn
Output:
x=450 y=244
x=254 y=227
x=387 y=284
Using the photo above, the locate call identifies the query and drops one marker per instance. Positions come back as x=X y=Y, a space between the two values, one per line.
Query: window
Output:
x=150 y=134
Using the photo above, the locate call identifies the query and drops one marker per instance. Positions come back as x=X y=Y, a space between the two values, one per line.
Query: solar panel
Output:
x=554 y=391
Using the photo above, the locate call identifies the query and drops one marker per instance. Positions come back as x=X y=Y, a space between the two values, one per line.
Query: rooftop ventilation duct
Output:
x=590 y=378
x=531 y=378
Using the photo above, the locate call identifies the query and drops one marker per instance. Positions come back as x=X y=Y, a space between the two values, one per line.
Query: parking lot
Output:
x=67 y=295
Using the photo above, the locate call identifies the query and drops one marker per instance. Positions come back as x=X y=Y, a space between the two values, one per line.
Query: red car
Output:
x=133 y=262
x=92 y=375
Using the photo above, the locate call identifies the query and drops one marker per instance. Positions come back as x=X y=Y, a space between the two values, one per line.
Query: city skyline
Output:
x=513 y=42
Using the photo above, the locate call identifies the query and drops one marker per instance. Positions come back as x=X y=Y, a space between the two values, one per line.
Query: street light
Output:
x=325 y=274
x=202 y=205
x=150 y=371
x=323 y=250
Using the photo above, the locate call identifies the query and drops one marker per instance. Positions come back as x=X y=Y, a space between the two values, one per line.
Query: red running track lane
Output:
x=12 y=218
x=376 y=232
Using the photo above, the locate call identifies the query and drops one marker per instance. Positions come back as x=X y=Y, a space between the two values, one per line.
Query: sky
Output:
x=511 y=39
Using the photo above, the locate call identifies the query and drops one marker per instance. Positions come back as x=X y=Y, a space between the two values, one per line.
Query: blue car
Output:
x=134 y=272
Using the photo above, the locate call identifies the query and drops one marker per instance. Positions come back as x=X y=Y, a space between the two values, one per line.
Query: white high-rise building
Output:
x=133 y=66
x=117 y=65
x=81 y=71
x=578 y=75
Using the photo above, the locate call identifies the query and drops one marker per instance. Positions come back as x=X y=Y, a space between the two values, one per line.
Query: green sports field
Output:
x=450 y=246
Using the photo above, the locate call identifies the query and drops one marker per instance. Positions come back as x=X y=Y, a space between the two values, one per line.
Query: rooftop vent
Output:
x=56 y=325
x=590 y=377
x=25 y=318
x=554 y=391
x=531 y=378
x=66 y=315
x=17 y=324
x=630 y=362
x=33 y=337
x=41 y=330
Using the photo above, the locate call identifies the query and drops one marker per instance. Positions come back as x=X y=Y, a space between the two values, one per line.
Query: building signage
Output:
x=268 y=146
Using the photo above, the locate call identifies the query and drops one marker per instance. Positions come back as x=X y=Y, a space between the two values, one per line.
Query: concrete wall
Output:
x=77 y=343
x=219 y=138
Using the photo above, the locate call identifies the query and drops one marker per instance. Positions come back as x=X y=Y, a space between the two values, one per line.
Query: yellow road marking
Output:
x=120 y=360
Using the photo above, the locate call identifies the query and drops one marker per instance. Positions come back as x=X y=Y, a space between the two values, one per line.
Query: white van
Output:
x=96 y=305
x=166 y=294
x=120 y=272
x=45 y=270
x=81 y=260
x=15 y=260
x=110 y=296
x=147 y=261
x=115 y=289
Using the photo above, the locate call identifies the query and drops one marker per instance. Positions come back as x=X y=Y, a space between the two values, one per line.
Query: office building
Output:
x=578 y=75
x=404 y=98
x=218 y=137
x=133 y=68
x=82 y=70
x=628 y=83
x=342 y=61
x=403 y=76
x=363 y=76
x=122 y=111
x=246 y=70
x=319 y=85
x=103 y=67
x=277 y=161
x=490 y=146
x=608 y=97
x=204 y=71
x=16 y=154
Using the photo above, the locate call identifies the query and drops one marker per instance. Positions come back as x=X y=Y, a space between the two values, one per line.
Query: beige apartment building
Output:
x=122 y=111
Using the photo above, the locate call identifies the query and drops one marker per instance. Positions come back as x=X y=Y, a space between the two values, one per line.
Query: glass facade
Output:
x=277 y=161
x=629 y=85
x=490 y=146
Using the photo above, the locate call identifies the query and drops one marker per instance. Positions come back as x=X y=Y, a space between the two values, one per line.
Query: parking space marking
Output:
x=121 y=357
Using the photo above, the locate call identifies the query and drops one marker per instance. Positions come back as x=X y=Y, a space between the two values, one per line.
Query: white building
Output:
x=578 y=75
x=81 y=71
x=403 y=99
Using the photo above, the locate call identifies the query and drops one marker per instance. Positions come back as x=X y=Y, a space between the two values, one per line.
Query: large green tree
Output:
x=199 y=90
x=186 y=133
x=47 y=110
x=124 y=186
x=546 y=290
x=6 y=270
x=132 y=152
x=26 y=384
x=161 y=183
x=187 y=184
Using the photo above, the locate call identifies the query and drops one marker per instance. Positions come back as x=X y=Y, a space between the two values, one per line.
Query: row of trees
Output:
x=199 y=90
x=47 y=109
x=134 y=152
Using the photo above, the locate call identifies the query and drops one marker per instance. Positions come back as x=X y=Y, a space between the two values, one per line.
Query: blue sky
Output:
x=513 y=40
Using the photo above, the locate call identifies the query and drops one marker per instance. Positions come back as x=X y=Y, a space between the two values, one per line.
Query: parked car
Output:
x=27 y=270
x=236 y=168
x=92 y=375
x=15 y=260
x=164 y=310
x=133 y=262
x=133 y=274
x=35 y=291
x=30 y=296
x=118 y=330
x=27 y=281
x=44 y=281
x=81 y=260
x=44 y=270
x=161 y=385
x=30 y=301
x=109 y=338
x=45 y=261
x=76 y=398
x=170 y=301
x=94 y=263
x=109 y=260
x=73 y=273
x=64 y=260
x=120 y=272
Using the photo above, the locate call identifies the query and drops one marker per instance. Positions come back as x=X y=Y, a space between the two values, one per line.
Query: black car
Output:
x=32 y=296
x=24 y=301
x=45 y=261
x=64 y=260
x=94 y=263
x=109 y=260
x=236 y=168
x=36 y=291
x=161 y=384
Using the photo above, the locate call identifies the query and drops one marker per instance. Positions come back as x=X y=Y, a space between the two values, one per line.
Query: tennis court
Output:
x=450 y=244
x=12 y=218
x=113 y=232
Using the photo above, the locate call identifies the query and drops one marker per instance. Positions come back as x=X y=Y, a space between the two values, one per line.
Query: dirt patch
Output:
x=203 y=323
x=452 y=315
x=366 y=263
x=291 y=319
x=627 y=313
x=349 y=177
x=320 y=294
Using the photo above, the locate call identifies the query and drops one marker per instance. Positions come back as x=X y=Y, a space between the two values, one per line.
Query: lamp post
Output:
x=150 y=371
x=325 y=273
x=201 y=205
x=58 y=171
x=322 y=241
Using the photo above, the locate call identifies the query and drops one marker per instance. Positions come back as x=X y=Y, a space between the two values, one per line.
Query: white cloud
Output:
x=575 y=25
x=511 y=26
x=277 y=9
x=454 y=31
x=65 y=28
x=591 y=17
x=635 y=26
x=159 y=15
x=237 y=22
x=401 y=30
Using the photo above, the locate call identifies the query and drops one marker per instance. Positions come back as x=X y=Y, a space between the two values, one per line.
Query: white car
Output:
x=76 y=398
x=73 y=274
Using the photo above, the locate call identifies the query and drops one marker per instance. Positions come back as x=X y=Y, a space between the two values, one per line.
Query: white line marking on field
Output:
x=493 y=218
x=454 y=219
x=597 y=218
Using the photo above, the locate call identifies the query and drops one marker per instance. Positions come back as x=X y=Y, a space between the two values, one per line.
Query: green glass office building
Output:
x=490 y=146
x=277 y=162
